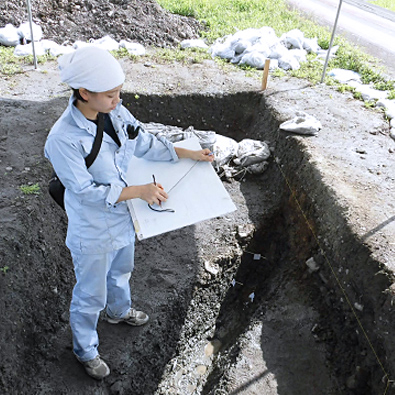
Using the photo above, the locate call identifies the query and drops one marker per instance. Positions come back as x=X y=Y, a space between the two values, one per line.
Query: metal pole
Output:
x=29 y=13
x=331 y=42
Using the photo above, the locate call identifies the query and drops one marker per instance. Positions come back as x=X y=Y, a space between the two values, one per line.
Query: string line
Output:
x=182 y=177
x=336 y=277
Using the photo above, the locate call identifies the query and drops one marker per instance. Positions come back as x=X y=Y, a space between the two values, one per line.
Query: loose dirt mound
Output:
x=67 y=21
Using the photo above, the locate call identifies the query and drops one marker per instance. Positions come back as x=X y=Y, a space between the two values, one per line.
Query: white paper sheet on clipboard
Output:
x=196 y=193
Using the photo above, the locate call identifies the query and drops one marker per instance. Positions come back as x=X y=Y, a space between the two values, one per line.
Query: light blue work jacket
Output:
x=96 y=223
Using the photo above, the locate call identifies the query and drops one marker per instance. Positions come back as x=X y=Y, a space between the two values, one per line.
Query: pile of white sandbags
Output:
x=251 y=47
x=12 y=36
x=231 y=158
x=20 y=38
x=368 y=93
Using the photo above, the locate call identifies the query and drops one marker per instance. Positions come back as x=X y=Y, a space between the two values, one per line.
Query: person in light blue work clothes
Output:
x=100 y=233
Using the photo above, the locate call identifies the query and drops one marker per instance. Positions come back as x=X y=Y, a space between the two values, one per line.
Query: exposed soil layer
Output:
x=65 y=21
x=326 y=197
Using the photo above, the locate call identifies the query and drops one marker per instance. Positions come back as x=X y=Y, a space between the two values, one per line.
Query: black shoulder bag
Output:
x=55 y=187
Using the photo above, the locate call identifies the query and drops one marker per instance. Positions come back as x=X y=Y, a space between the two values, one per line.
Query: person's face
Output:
x=102 y=101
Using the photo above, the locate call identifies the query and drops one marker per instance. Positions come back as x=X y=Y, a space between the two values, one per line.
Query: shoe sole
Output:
x=112 y=321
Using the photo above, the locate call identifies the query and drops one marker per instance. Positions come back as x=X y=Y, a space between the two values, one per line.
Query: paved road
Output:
x=371 y=27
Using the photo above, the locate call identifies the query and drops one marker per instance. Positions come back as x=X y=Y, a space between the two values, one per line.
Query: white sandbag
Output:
x=240 y=46
x=261 y=47
x=222 y=48
x=224 y=149
x=293 y=39
x=48 y=44
x=299 y=54
x=254 y=59
x=9 y=36
x=207 y=139
x=390 y=109
x=268 y=35
x=322 y=53
x=236 y=59
x=344 y=76
x=107 y=43
x=273 y=65
x=249 y=35
x=81 y=44
x=277 y=50
x=250 y=152
x=303 y=123
x=61 y=50
x=368 y=93
x=288 y=62
x=133 y=48
x=311 y=45
x=24 y=31
x=194 y=43
x=27 y=49
x=388 y=106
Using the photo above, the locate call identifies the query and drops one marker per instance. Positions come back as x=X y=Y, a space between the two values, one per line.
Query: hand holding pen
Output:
x=160 y=199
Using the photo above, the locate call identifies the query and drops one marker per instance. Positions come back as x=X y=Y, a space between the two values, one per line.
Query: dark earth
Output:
x=234 y=307
x=65 y=21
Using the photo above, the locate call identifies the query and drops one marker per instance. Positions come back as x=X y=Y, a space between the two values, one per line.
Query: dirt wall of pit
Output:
x=352 y=289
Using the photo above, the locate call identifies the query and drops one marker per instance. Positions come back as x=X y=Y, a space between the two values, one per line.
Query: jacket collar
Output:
x=80 y=119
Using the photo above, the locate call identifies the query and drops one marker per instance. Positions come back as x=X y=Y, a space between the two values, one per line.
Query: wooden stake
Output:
x=265 y=74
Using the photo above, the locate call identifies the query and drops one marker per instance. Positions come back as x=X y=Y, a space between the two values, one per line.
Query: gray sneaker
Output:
x=96 y=368
x=133 y=317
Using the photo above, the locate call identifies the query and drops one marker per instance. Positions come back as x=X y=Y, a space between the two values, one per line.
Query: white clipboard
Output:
x=195 y=191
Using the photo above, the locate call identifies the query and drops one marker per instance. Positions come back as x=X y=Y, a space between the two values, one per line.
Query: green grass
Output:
x=4 y=269
x=388 y=4
x=30 y=189
x=222 y=17
x=186 y=56
x=11 y=65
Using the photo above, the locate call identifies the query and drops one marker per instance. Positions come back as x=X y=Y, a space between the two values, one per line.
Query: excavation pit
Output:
x=300 y=301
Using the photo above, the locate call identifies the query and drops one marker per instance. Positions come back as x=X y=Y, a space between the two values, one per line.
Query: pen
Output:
x=153 y=177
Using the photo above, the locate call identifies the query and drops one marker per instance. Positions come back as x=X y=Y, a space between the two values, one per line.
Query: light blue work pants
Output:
x=102 y=280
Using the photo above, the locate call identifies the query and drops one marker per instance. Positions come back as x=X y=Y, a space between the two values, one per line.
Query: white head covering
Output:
x=92 y=68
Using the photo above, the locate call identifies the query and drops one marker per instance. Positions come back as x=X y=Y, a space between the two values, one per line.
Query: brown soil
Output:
x=327 y=197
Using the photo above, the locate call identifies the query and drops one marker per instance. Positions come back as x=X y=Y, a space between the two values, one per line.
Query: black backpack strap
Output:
x=97 y=143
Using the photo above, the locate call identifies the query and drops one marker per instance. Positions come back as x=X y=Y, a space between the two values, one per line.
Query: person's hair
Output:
x=77 y=95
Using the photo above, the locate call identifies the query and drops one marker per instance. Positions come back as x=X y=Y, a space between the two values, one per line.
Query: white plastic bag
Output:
x=303 y=123
x=288 y=62
x=24 y=31
x=194 y=43
x=133 y=48
x=27 y=49
x=224 y=149
x=254 y=59
x=106 y=42
x=250 y=152
x=9 y=36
